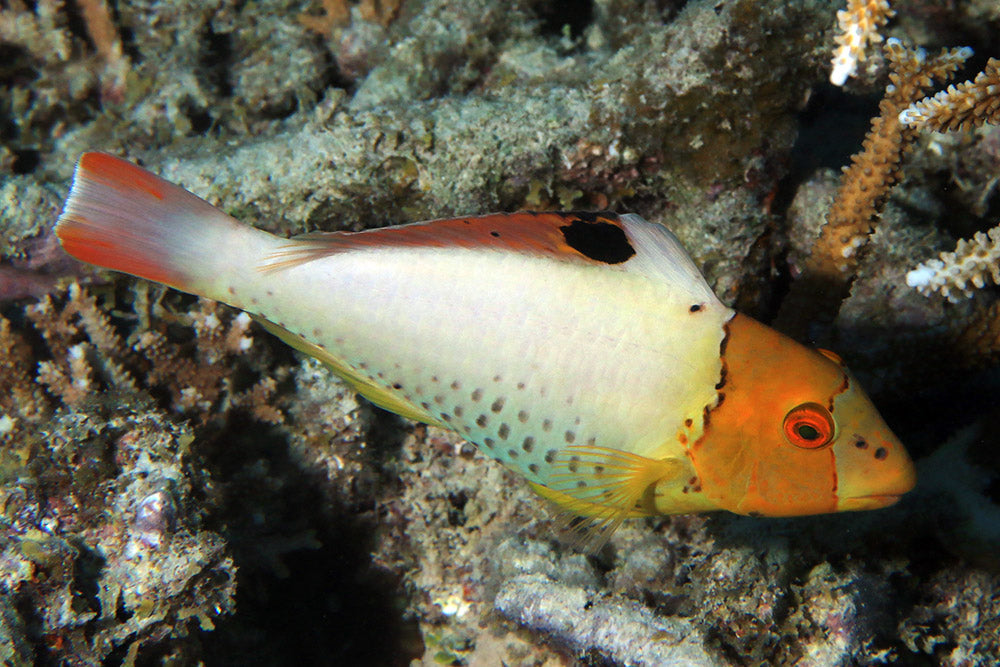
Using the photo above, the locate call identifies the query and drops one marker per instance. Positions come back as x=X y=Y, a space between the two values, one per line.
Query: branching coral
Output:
x=970 y=104
x=965 y=106
x=96 y=484
x=859 y=25
x=956 y=274
x=87 y=357
x=830 y=270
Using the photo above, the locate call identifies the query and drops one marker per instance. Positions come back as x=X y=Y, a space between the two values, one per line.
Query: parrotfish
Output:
x=583 y=350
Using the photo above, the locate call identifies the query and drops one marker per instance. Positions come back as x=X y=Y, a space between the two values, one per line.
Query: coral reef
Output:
x=177 y=487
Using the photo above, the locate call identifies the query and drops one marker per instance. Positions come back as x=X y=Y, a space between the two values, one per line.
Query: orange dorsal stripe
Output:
x=591 y=238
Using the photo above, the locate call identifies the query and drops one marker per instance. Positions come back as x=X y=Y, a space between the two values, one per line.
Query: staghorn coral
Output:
x=85 y=356
x=859 y=25
x=962 y=107
x=958 y=273
x=830 y=269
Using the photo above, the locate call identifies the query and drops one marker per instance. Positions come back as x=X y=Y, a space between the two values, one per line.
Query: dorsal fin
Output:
x=626 y=243
x=586 y=237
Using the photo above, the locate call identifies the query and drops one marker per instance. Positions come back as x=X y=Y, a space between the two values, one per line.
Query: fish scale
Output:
x=583 y=350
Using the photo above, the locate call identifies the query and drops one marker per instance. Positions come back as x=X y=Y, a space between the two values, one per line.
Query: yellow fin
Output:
x=599 y=487
x=377 y=394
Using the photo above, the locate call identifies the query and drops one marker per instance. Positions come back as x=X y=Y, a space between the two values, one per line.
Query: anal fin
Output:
x=381 y=396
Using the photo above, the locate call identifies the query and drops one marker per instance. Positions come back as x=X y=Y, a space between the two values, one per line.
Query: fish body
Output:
x=583 y=350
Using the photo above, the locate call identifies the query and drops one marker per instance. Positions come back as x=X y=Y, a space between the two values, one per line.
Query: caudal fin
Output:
x=122 y=217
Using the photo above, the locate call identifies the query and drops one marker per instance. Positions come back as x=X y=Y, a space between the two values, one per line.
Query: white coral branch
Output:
x=859 y=25
x=957 y=274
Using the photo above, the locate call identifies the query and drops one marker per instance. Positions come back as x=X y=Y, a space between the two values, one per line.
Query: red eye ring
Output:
x=809 y=426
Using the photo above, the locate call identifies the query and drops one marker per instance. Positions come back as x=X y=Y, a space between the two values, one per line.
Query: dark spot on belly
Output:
x=860 y=443
x=459 y=410
x=695 y=308
x=512 y=453
x=495 y=234
x=503 y=431
x=481 y=421
x=533 y=467
x=497 y=405
x=599 y=241
x=881 y=453
x=528 y=444
x=569 y=436
x=550 y=456
x=522 y=416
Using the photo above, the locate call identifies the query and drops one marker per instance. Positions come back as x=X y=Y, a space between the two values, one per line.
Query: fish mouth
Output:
x=871 y=502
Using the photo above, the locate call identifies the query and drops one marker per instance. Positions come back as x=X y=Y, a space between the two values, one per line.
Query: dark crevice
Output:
x=556 y=15
x=216 y=60
x=26 y=160
x=832 y=127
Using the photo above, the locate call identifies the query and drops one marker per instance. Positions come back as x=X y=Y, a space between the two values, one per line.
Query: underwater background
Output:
x=178 y=487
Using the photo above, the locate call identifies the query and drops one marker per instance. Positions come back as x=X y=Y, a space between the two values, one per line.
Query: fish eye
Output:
x=809 y=426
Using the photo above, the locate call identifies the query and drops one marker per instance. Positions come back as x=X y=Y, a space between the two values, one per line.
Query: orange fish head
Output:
x=873 y=467
x=793 y=433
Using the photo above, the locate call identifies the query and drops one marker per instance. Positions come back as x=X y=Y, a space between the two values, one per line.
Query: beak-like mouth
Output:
x=872 y=502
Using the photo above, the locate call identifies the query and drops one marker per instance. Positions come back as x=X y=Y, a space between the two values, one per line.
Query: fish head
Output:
x=873 y=468
x=793 y=433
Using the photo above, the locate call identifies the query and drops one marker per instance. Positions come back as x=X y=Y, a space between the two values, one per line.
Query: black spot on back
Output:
x=599 y=240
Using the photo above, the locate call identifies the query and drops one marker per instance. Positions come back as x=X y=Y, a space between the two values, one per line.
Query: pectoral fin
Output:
x=599 y=487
